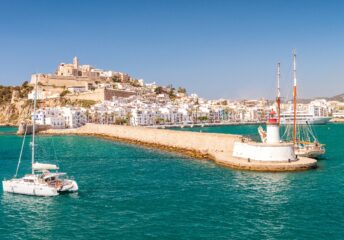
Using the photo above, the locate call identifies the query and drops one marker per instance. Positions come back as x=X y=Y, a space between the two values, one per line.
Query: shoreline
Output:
x=205 y=146
x=8 y=125
x=205 y=125
x=337 y=120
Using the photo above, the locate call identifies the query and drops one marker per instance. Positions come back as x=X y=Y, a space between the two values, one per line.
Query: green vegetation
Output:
x=86 y=103
x=181 y=90
x=159 y=90
x=160 y=121
x=171 y=93
x=121 y=121
x=224 y=102
x=5 y=94
x=75 y=103
x=64 y=93
x=203 y=118
x=7 y=91
x=25 y=90
x=135 y=83
x=116 y=79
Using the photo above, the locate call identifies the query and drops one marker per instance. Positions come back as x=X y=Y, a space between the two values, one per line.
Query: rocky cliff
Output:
x=14 y=113
x=19 y=110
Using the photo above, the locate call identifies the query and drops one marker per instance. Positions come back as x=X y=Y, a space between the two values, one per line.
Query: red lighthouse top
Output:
x=272 y=118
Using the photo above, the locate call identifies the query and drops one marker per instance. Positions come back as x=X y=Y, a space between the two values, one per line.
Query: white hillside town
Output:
x=117 y=98
x=61 y=117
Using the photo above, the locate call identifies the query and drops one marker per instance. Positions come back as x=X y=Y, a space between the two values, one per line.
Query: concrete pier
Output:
x=214 y=146
x=38 y=128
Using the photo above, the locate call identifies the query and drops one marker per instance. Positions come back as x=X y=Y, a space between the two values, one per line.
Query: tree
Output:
x=116 y=78
x=87 y=113
x=159 y=121
x=181 y=90
x=135 y=83
x=119 y=121
x=25 y=84
x=5 y=94
x=158 y=90
x=64 y=93
x=171 y=93
x=203 y=118
x=127 y=118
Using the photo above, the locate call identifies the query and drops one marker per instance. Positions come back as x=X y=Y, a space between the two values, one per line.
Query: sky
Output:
x=215 y=48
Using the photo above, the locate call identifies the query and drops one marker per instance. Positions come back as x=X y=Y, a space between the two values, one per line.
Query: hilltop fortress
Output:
x=82 y=81
x=75 y=75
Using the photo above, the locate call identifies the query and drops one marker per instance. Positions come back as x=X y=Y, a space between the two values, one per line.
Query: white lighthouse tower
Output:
x=272 y=129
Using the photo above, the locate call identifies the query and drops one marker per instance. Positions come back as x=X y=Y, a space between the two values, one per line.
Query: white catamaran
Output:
x=44 y=180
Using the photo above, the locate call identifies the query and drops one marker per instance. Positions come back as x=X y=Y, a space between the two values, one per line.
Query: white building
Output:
x=77 y=89
x=338 y=114
x=74 y=117
x=61 y=117
x=50 y=116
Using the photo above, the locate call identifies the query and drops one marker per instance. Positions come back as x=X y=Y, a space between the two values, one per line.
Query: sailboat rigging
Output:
x=301 y=135
x=42 y=181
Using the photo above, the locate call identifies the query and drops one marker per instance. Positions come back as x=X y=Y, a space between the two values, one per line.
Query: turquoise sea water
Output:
x=128 y=192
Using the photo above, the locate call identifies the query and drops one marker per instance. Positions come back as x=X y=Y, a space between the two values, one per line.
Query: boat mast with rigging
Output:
x=294 y=95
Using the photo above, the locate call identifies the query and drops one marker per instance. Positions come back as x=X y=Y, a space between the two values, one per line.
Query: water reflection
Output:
x=265 y=183
x=35 y=214
x=265 y=196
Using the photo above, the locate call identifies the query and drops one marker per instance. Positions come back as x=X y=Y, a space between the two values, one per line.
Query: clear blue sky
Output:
x=215 y=48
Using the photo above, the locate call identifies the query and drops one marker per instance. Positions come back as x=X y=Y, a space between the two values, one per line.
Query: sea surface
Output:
x=131 y=192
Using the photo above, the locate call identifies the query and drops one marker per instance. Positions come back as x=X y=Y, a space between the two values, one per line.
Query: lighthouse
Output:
x=272 y=129
x=271 y=149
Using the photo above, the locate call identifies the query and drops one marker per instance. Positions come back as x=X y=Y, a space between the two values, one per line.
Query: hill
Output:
x=339 y=97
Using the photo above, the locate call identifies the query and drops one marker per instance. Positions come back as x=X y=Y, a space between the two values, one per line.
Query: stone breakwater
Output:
x=213 y=146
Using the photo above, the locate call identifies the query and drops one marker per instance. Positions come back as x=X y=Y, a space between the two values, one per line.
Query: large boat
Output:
x=44 y=180
x=303 y=117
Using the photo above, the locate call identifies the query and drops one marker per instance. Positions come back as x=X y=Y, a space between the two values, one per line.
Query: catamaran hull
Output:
x=70 y=187
x=29 y=189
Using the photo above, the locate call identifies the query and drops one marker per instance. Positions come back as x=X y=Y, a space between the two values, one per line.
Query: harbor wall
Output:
x=212 y=146
x=203 y=143
x=38 y=128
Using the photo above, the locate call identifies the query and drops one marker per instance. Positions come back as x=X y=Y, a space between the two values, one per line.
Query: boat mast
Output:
x=278 y=100
x=33 y=127
x=294 y=95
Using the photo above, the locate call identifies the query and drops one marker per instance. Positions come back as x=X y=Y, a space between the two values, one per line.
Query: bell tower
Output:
x=75 y=62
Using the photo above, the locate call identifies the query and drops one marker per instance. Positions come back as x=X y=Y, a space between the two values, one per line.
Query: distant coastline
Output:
x=190 y=125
